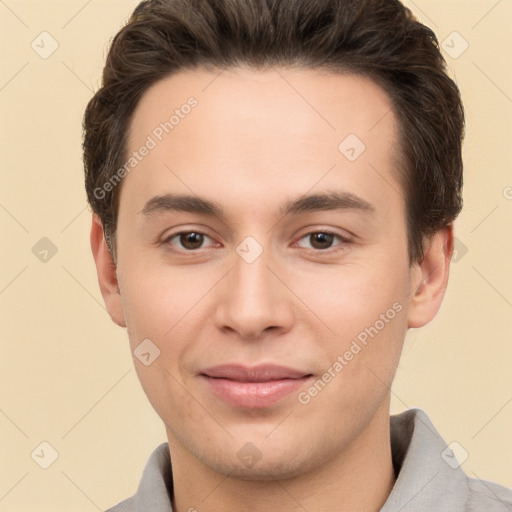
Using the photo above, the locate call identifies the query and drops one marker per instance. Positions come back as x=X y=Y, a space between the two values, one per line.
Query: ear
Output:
x=106 y=269
x=430 y=278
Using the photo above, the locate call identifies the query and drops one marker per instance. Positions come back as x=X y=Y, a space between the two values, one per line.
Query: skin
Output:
x=256 y=140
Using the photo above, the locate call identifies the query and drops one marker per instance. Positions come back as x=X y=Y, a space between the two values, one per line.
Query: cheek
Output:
x=159 y=299
x=349 y=297
x=363 y=309
x=159 y=306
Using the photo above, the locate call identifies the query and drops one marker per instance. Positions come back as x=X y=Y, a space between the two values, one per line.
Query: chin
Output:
x=281 y=468
x=261 y=472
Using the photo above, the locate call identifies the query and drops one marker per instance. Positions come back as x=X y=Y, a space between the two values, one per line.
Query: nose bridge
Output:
x=252 y=299
x=251 y=279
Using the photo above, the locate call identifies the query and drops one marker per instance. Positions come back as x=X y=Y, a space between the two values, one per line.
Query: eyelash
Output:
x=343 y=240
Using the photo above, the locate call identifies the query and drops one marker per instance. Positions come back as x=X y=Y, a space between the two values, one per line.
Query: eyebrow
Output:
x=305 y=204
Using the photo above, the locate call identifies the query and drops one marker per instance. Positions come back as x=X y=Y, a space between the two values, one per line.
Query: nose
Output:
x=253 y=299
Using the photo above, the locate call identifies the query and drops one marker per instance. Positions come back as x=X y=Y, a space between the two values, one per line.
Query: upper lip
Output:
x=260 y=373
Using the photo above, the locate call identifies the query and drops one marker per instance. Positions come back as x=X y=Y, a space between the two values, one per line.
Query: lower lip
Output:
x=253 y=395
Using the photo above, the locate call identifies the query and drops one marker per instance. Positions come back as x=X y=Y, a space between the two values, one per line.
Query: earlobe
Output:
x=106 y=270
x=429 y=278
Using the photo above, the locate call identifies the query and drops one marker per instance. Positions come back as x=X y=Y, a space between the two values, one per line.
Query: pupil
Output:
x=323 y=239
x=192 y=240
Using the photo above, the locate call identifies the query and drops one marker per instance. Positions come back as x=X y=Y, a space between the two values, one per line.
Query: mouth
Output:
x=254 y=387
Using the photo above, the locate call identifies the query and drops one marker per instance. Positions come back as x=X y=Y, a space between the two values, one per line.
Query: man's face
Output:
x=305 y=288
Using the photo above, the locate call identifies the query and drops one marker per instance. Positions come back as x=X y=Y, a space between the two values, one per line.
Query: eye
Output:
x=322 y=240
x=188 y=240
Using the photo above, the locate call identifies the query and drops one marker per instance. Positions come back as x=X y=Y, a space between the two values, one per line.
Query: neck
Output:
x=358 y=478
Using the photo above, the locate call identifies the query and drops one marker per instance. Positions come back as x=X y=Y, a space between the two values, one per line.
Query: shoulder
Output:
x=155 y=486
x=492 y=496
x=127 y=505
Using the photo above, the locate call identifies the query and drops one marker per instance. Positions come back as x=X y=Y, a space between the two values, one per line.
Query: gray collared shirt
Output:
x=429 y=476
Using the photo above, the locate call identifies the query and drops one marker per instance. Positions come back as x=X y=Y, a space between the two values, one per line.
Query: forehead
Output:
x=300 y=99
x=253 y=132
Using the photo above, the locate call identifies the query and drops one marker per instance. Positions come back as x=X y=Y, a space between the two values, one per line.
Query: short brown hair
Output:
x=380 y=39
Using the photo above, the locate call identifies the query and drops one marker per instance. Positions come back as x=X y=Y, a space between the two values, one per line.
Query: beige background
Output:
x=66 y=372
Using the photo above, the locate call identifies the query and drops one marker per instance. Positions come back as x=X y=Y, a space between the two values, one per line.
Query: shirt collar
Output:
x=429 y=477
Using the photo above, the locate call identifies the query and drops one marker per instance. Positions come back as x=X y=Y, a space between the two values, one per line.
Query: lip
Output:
x=255 y=387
